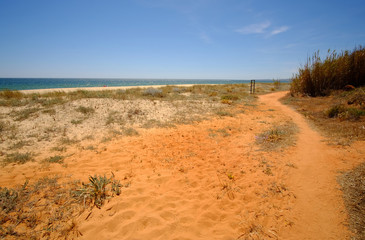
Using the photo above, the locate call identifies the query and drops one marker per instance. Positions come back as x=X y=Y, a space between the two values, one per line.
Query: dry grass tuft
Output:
x=353 y=187
x=278 y=137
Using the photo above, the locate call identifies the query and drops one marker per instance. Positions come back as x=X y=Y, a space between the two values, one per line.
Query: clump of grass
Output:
x=76 y=122
x=25 y=114
x=278 y=136
x=318 y=77
x=3 y=126
x=353 y=187
x=97 y=191
x=130 y=132
x=154 y=92
x=19 y=144
x=18 y=158
x=85 y=110
x=114 y=117
x=68 y=141
x=9 y=94
x=59 y=149
x=344 y=113
x=55 y=159
x=224 y=114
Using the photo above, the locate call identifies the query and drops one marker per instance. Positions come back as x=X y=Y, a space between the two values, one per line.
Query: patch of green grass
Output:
x=345 y=113
x=25 y=114
x=18 y=158
x=85 y=110
x=76 y=122
x=55 y=159
x=97 y=190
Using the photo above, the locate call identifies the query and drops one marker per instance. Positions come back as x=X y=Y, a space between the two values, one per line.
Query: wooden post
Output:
x=252 y=87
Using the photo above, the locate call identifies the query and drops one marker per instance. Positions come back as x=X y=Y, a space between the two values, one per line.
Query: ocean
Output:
x=47 y=83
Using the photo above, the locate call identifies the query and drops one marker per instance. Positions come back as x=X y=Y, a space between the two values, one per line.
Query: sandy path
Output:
x=319 y=210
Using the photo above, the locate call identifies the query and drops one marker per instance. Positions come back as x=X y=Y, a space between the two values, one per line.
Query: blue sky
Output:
x=219 y=39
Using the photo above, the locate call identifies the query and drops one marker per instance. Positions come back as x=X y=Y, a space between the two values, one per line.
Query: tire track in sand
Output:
x=319 y=211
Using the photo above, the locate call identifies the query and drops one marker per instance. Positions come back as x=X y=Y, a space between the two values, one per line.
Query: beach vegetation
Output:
x=115 y=117
x=55 y=159
x=76 y=122
x=20 y=144
x=18 y=158
x=47 y=208
x=338 y=70
x=352 y=184
x=130 y=132
x=59 y=149
x=68 y=141
x=3 y=126
x=154 y=92
x=25 y=113
x=328 y=113
x=278 y=136
x=85 y=110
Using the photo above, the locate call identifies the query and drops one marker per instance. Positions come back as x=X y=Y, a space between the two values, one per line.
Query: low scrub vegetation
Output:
x=352 y=183
x=278 y=136
x=18 y=158
x=337 y=71
x=46 y=209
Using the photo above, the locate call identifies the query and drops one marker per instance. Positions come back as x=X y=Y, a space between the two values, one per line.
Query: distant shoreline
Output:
x=30 y=91
x=66 y=83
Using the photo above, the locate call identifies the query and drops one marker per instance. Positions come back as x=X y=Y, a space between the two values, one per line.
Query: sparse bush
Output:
x=344 y=113
x=3 y=126
x=9 y=94
x=55 y=159
x=278 y=136
x=335 y=111
x=353 y=187
x=130 y=132
x=25 y=114
x=230 y=97
x=277 y=84
x=85 y=110
x=76 y=122
x=154 y=92
x=19 y=158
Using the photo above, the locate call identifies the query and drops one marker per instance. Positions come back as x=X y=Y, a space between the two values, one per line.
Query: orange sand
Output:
x=210 y=181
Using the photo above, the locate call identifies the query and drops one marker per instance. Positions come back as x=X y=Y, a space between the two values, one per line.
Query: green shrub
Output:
x=19 y=158
x=85 y=110
x=335 y=111
x=55 y=159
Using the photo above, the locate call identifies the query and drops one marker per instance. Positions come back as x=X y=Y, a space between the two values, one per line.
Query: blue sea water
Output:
x=47 y=83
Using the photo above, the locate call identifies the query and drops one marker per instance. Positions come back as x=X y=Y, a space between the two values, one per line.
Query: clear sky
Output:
x=219 y=39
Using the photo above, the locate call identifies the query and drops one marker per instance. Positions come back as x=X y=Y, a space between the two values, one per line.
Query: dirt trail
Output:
x=319 y=210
